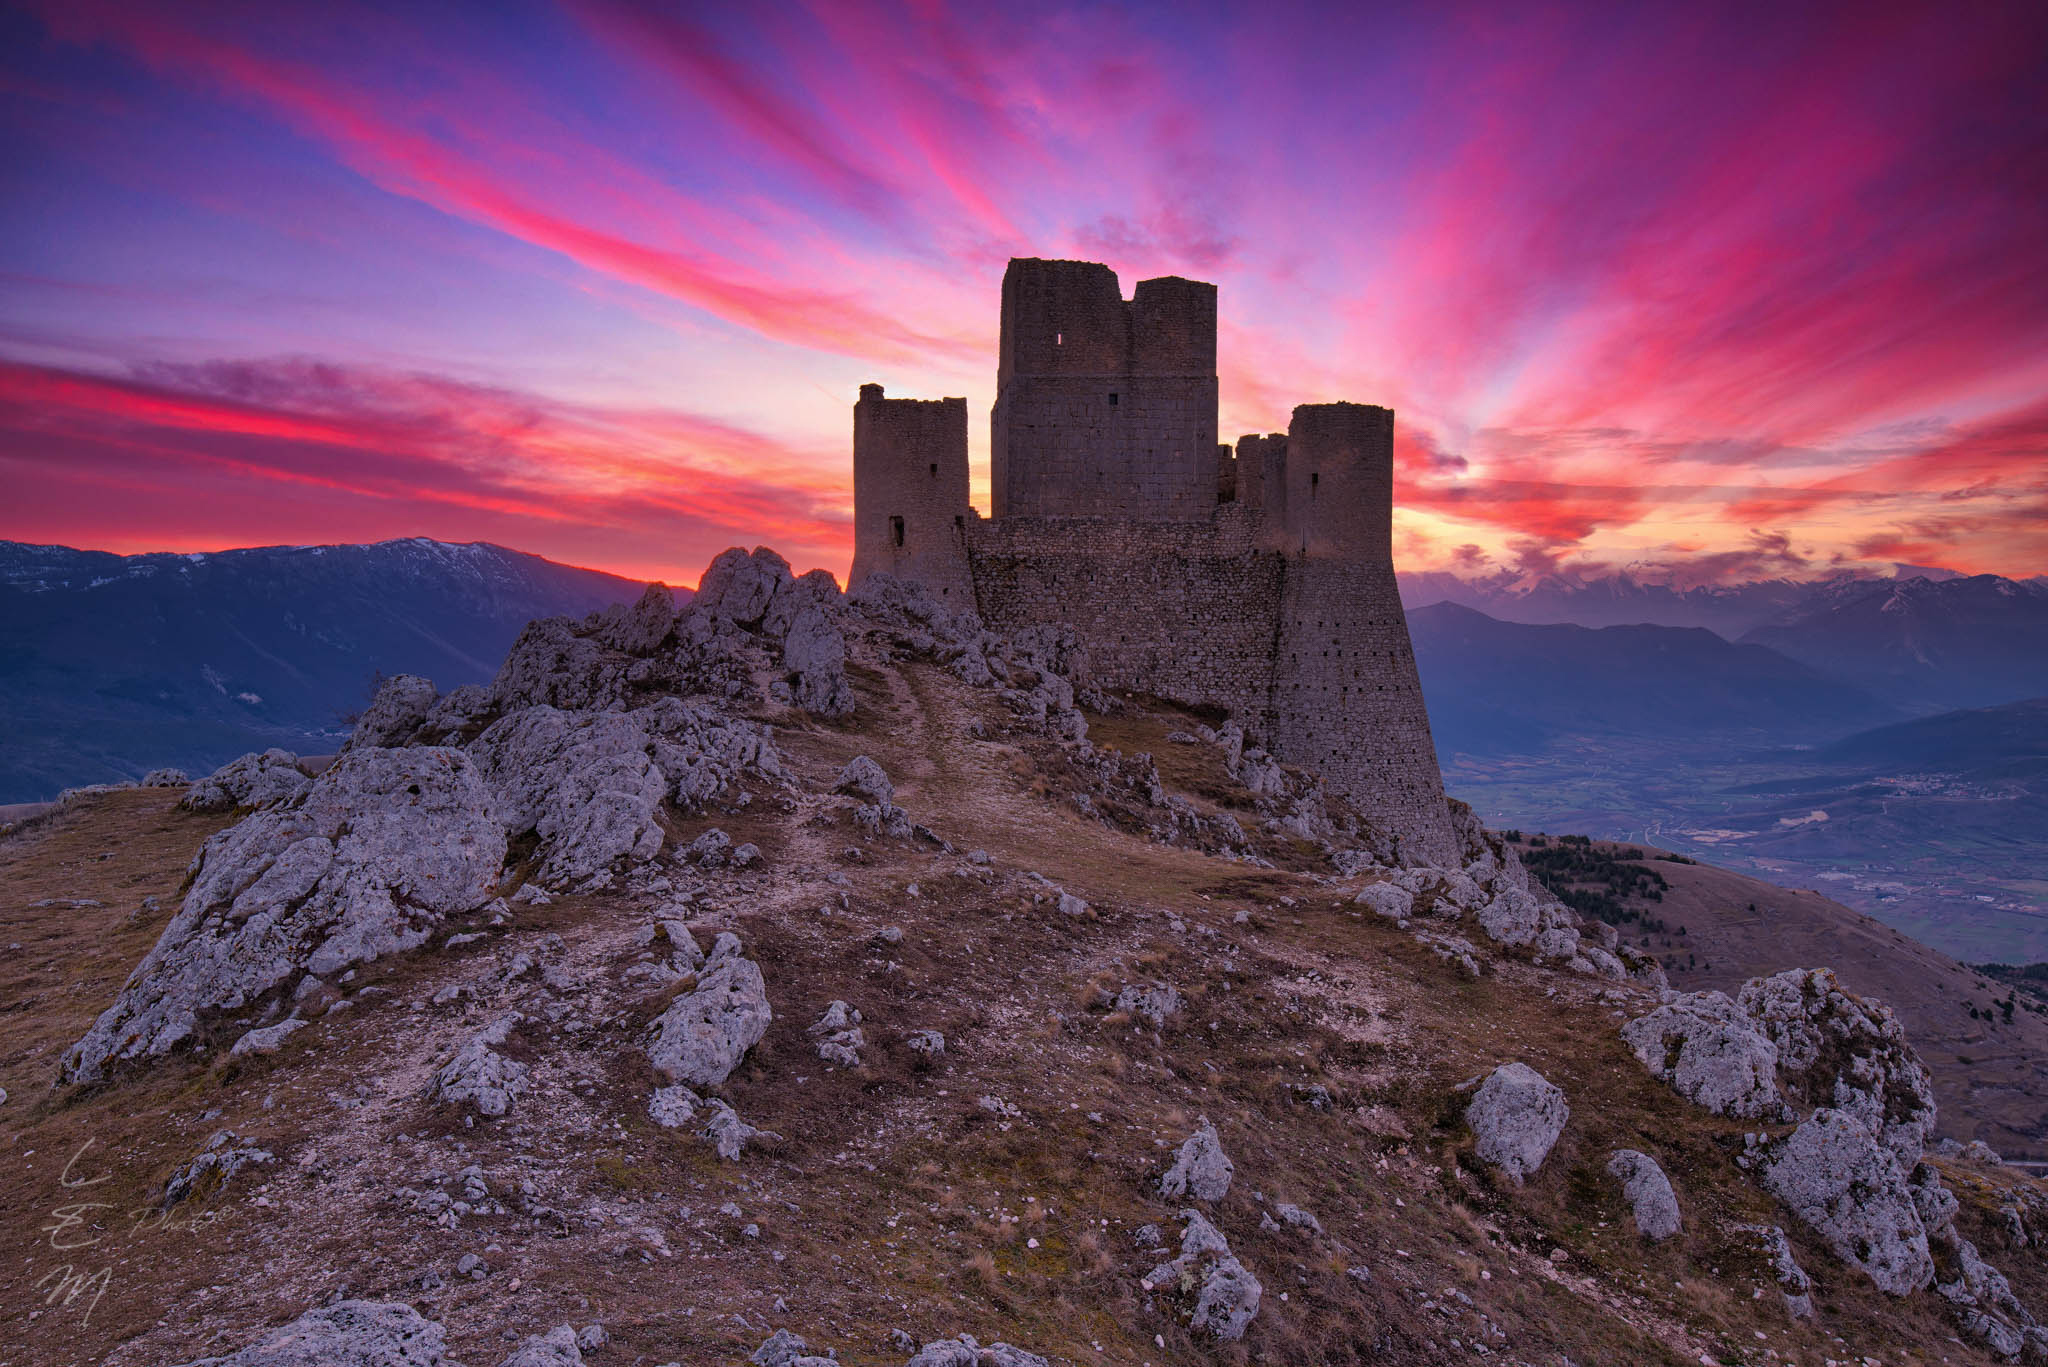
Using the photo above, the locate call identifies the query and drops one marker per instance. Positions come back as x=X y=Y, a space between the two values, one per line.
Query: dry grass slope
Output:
x=895 y=1198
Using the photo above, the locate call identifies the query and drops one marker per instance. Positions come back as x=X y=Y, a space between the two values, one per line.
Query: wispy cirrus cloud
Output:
x=1673 y=281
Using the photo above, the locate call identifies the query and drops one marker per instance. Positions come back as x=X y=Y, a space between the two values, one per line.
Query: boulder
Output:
x=1224 y=1293
x=1709 y=1050
x=1386 y=899
x=399 y=708
x=254 y=780
x=166 y=778
x=673 y=1107
x=1512 y=917
x=556 y=1348
x=345 y=1334
x=266 y=1039
x=1648 y=1193
x=549 y=665
x=1849 y=1189
x=1839 y=1050
x=839 y=1035
x=784 y=1349
x=705 y=1032
x=1201 y=1169
x=1150 y=1002
x=865 y=779
x=1516 y=1116
x=965 y=1352
x=731 y=1134
x=379 y=850
x=481 y=1077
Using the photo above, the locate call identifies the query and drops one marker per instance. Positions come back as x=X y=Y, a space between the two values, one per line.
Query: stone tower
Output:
x=1105 y=407
x=1259 y=580
x=910 y=492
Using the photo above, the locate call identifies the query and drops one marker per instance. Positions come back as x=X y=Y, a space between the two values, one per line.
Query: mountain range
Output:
x=111 y=665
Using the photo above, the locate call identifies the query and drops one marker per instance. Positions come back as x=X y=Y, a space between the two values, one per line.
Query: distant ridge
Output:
x=111 y=664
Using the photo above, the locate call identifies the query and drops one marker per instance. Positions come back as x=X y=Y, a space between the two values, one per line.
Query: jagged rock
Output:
x=591 y=784
x=1848 y=1188
x=1153 y=1002
x=1201 y=1169
x=1558 y=942
x=1071 y=905
x=673 y=1107
x=1792 y=1280
x=1226 y=1295
x=841 y=1035
x=1839 y=1050
x=1516 y=1116
x=1984 y=1304
x=556 y=1348
x=1648 y=1193
x=1642 y=966
x=254 y=780
x=549 y=665
x=266 y=1039
x=345 y=1334
x=1708 y=1049
x=814 y=654
x=865 y=779
x=784 y=1349
x=709 y=850
x=1513 y=917
x=1386 y=899
x=1294 y=1217
x=705 y=1032
x=730 y=1133
x=1455 y=949
x=166 y=778
x=223 y=1157
x=644 y=627
x=739 y=587
x=812 y=589
x=398 y=710
x=927 y=1044
x=479 y=1075
x=456 y=710
x=379 y=850
x=965 y=1352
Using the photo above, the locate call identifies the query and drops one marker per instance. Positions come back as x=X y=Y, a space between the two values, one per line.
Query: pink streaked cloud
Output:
x=1742 y=291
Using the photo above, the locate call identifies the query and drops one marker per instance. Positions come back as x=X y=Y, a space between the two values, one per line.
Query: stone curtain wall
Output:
x=910 y=462
x=1186 y=611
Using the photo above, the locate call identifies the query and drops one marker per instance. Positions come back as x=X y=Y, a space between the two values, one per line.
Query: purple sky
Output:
x=1730 y=289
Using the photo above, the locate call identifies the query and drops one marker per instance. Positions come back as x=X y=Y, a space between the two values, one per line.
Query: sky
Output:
x=1722 y=291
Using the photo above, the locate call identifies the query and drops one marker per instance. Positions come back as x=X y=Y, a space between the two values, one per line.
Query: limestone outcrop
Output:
x=1710 y=1051
x=399 y=708
x=345 y=1334
x=379 y=850
x=1839 y=1050
x=1849 y=1189
x=1221 y=1294
x=254 y=780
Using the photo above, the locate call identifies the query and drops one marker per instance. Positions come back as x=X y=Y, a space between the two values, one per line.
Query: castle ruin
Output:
x=1259 y=580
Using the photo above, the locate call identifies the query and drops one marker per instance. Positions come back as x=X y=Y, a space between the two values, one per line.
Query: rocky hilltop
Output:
x=794 y=977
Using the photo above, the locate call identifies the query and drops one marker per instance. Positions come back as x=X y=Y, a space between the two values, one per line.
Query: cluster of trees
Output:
x=1594 y=882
